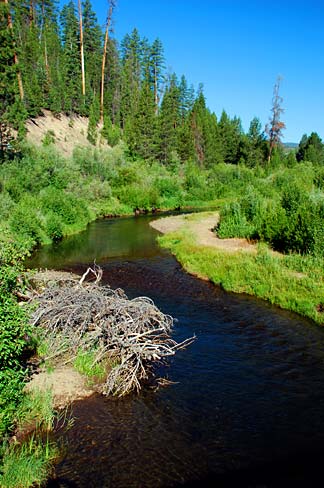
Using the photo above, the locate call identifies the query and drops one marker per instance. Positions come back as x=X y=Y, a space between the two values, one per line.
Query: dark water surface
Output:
x=246 y=409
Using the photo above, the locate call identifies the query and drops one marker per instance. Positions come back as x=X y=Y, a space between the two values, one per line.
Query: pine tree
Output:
x=70 y=67
x=131 y=74
x=92 y=40
x=169 y=121
x=8 y=19
x=254 y=146
x=94 y=117
x=140 y=130
x=185 y=144
x=197 y=117
x=311 y=149
x=187 y=97
x=230 y=132
x=8 y=80
x=83 y=89
x=112 y=98
x=156 y=66
x=213 y=151
x=34 y=73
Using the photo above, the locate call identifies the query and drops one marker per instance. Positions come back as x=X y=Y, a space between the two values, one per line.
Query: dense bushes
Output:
x=14 y=337
x=44 y=196
x=291 y=220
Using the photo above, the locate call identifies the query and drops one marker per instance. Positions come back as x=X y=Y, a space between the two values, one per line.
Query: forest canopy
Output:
x=62 y=60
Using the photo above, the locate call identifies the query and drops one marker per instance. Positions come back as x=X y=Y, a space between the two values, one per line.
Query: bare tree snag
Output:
x=275 y=127
x=19 y=78
x=81 y=47
x=111 y=6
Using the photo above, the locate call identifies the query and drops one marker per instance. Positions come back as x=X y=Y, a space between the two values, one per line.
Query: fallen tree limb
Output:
x=134 y=335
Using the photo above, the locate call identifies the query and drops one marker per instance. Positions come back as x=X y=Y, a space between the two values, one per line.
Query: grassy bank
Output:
x=292 y=282
x=29 y=456
x=25 y=419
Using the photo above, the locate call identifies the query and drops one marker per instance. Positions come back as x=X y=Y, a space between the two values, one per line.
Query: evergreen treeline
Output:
x=159 y=116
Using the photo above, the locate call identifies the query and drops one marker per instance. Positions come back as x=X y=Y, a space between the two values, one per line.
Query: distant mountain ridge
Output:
x=291 y=145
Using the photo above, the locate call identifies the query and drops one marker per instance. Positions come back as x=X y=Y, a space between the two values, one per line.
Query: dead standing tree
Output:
x=112 y=4
x=276 y=126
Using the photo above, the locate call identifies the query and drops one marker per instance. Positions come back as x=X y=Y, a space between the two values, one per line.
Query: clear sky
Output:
x=237 y=48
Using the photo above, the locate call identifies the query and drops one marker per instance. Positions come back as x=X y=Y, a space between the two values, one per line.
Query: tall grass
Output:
x=26 y=462
x=291 y=282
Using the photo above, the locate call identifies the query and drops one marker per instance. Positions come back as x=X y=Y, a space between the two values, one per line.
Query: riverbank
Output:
x=292 y=282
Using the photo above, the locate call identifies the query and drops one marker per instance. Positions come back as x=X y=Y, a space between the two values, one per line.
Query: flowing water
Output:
x=246 y=406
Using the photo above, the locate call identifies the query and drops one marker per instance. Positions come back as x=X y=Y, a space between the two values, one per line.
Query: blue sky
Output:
x=237 y=49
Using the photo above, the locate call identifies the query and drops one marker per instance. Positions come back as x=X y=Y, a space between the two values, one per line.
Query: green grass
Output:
x=26 y=465
x=86 y=364
x=292 y=282
x=36 y=409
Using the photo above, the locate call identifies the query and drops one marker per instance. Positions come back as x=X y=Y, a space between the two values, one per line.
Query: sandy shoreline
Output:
x=202 y=228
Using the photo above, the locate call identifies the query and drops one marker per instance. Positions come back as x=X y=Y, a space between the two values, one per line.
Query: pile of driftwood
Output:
x=133 y=335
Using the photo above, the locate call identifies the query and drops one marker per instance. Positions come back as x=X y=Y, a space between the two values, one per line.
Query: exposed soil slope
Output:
x=69 y=131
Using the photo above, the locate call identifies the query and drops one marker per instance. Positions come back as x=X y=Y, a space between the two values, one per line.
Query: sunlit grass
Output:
x=86 y=364
x=36 y=409
x=28 y=464
x=292 y=282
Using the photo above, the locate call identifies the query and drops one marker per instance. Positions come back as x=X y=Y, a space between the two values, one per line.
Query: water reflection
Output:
x=246 y=407
x=102 y=240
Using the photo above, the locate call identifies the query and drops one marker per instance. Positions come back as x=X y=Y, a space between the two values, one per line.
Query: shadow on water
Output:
x=246 y=409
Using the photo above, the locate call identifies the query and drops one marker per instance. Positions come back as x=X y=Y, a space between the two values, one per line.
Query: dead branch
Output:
x=134 y=335
x=96 y=271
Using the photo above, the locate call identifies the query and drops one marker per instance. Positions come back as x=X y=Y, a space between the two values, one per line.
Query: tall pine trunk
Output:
x=19 y=78
x=111 y=4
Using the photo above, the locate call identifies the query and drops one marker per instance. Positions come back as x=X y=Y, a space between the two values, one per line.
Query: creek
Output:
x=246 y=406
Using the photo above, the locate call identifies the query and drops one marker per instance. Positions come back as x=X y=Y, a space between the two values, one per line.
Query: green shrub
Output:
x=292 y=198
x=196 y=184
x=53 y=227
x=319 y=177
x=25 y=222
x=14 y=337
x=67 y=206
x=233 y=222
x=49 y=138
x=139 y=195
x=270 y=222
x=111 y=132
x=251 y=203
x=6 y=205
x=11 y=390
